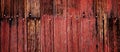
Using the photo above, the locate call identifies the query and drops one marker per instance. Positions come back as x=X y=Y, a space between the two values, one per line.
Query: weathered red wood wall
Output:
x=59 y=25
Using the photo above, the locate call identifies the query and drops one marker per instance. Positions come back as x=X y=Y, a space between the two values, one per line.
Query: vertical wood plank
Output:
x=115 y=20
x=84 y=30
x=38 y=35
x=52 y=32
x=42 y=34
x=14 y=25
x=92 y=30
x=31 y=35
x=99 y=24
x=69 y=33
x=107 y=36
x=48 y=34
x=63 y=34
x=20 y=35
x=79 y=33
x=88 y=35
x=72 y=34
x=24 y=29
x=32 y=12
x=5 y=36
x=72 y=31
x=25 y=26
x=75 y=36
x=59 y=35
x=20 y=25
x=13 y=35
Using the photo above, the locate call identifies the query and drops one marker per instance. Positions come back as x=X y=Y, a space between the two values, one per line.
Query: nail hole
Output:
x=83 y=14
x=97 y=46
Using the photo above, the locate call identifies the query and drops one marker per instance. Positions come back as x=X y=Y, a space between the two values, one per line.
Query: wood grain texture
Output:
x=33 y=8
x=20 y=25
x=13 y=35
x=31 y=35
x=59 y=26
x=46 y=7
x=24 y=21
x=6 y=6
x=60 y=40
x=48 y=40
x=20 y=35
x=38 y=35
x=42 y=39
x=73 y=38
x=5 y=36
x=2 y=7
x=60 y=7
x=21 y=8
x=46 y=34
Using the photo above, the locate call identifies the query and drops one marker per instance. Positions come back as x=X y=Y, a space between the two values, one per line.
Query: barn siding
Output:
x=59 y=26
